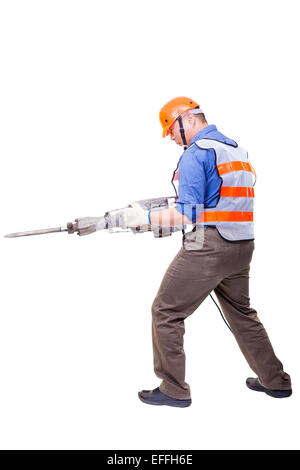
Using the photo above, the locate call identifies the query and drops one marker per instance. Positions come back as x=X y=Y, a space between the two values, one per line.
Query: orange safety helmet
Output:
x=172 y=110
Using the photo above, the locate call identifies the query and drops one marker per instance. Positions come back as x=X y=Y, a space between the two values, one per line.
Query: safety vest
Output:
x=233 y=214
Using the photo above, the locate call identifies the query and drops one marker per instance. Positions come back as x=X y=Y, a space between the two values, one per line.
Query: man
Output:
x=213 y=173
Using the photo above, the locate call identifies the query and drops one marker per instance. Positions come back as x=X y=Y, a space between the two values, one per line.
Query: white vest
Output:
x=233 y=214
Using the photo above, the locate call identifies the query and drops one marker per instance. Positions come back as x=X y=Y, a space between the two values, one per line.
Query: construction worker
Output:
x=213 y=173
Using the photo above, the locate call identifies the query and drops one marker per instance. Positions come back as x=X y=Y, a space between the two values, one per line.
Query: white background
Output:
x=82 y=83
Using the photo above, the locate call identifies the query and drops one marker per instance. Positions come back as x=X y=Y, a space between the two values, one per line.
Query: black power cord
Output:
x=220 y=312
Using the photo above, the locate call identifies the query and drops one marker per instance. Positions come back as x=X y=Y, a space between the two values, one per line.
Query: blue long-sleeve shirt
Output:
x=199 y=182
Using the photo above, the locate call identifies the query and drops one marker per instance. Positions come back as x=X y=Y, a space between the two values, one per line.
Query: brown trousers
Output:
x=221 y=266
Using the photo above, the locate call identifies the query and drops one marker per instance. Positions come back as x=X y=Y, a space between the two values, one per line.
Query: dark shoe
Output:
x=254 y=384
x=156 y=397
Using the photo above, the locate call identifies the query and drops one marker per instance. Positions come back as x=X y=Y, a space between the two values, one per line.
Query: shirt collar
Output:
x=203 y=133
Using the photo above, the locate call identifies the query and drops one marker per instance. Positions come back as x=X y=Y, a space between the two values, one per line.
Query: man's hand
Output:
x=135 y=216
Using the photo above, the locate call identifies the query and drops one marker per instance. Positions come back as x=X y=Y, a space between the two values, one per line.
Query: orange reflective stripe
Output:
x=226 y=216
x=234 y=166
x=236 y=191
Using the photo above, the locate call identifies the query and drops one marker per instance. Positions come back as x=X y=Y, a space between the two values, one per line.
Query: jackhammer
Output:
x=113 y=221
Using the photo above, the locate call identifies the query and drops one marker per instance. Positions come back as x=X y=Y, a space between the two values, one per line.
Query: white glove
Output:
x=135 y=216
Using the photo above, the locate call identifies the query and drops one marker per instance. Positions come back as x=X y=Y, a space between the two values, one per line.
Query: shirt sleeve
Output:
x=192 y=185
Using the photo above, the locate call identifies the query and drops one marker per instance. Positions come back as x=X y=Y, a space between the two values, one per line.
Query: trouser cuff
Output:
x=174 y=391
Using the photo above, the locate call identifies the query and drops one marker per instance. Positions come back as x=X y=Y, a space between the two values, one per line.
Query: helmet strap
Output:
x=182 y=133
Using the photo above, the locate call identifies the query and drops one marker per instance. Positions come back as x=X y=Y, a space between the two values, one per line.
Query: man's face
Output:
x=189 y=124
x=175 y=133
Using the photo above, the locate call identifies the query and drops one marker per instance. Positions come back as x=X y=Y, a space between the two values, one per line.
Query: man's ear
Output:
x=190 y=118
